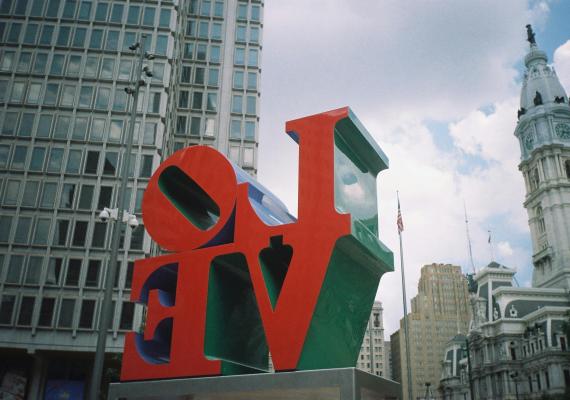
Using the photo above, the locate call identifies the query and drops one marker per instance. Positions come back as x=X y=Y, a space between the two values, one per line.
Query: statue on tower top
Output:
x=530 y=35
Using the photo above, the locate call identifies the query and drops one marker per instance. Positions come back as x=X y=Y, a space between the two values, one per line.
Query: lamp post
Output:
x=118 y=215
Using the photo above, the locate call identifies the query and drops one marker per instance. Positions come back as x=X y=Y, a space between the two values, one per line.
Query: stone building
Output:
x=372 y=354
x=517 y=342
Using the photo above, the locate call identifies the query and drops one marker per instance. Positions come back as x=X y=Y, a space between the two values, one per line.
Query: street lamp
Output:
x=118 y=214
x=514 y=376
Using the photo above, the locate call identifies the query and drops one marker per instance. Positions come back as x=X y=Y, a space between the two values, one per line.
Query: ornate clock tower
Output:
x=543 y=131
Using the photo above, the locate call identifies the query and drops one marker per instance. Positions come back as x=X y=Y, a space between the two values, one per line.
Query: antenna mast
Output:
x=468 y=237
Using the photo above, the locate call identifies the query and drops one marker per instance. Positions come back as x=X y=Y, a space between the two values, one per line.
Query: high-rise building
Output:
x=64 y=65
x=439 y=311
x=543 y=131
x=372 y=358
x=388 y=367
x=396 y=356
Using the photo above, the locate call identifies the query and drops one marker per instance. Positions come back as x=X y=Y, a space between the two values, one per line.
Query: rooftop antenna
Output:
x=468 y=238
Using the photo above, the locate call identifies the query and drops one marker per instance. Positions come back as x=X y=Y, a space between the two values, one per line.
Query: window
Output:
x=46 y=312
x=212 y=102
x=50 y=96
x=250 y=130
x=42 y=231
x=197 y=100
x=85 y=96
x=60 y=233
x=66 y=311
x=14 y=33
x=255 y=13
x=48 y=195
x=181 y=124
x=199 y=76
x=38 y=156
x=127 y=312
x=237 y=101
x=540 y=220
x=235 y=129
x=251 y=105
x=210 y=124
x=96 y=39
x=15 y=268
x=31 y=34
x=112 y=42
x=102 y=101
x=240 y=33
x=79 y=233
x=54 y=271
x=24 y=62
x=101 y=12
x=34 y=271
x=146 y=166
x=46 y=36
x=17 y=92
x=80 y=128
x=85 y=10
x=133 y=15
x=63 y=36
x=252 y=58
x=23 y=230
x=239 y=56
x=5 y=226
x=248 y=157
x=120 y=102
x=26 y=311
x=567 y=168
x=195 y=123
x=7 y=61
x=252 y=80
x=534 y=178
x=129 y=276
x=161 y=44
x=19 y=159
x=10 y=123
x=216 y=33
x=7 y=309
x=73 y=272
x=117 y=13
x=137 y=237
x=185 y=75
x=55 y=160
x=110 y=163
x=148 y=17
x=105 y=195
x=138 y=200
x=242 y=11
x=125 y=69
x=68 y=97
x=93 y=271
x=215 y=54
x=203 y=29
x=99 y=232
x=30 y=196
x=79 y=37
x=69 y=9
x=12 y=193
x=149 y=133
x=40 y=63
x=73 y=162
x=107 y=68
x=92 y=162
x=87 y=313
x=86 y=197
x=154 y=102
x=67 y=195
x=254 y=35
x=188 y=50
x=62 y=127
x=183 y=97
x=201 y=51
x=213 y=76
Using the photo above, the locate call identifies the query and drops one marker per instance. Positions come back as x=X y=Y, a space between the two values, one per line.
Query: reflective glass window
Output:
x=14 y=32
x=30 y=196
x=213 y=76
x=12 y=193
x=120 y=101
x=7 y=307
x=252 y=80
x=34 y=271
x=62 y=127
x=24 y=62
x=101 y=12
x=201 y=51
x=115 y=130
x=148 y=18
x=250 y=130
x=199 y=74
x=255 y=13
x=44 y=125
x=85 y=96
x=117 y=13
x=55 y=159
x=107 y=68
x=10 y=123
x=219 y=9
x=54 y=268
x=164 y=20
x=80 y=128
x=5 y=226
x=15 y=268
x=96 y=39
x=73 y=272
x=86 y=197
x=215 y=54
x=79 y=233
x=48 y=195
x=74 y=65
x=50 y=96
x=127 y=313
x=105 y=195
x=63 y=36
x=26 y=311
x=212 y=102
x=60 y=235
x=46 y=312
x=7 y=60
x=161 y=44
x=112 y=42
x=99 y=232
x=42 y=232
x=240 y=33
x=23 y=230
x=93 y=272
x=146 y=166
x=239 y=56
x=235 y=129
x=195 y=123
x=34 y=93
x=17 y=92
x=69 y=9
x=79 y=37
x=46 y=35
x=31 y=34
x=87 y=313
x=57 y=64
x=98 y=129
x=37 y=161
x=73 y=162
x=110 y=163
x=237 y=101
x=149 y=133
x=66 y=311
x=52 y=8
x=67 y=195
x=133 y=15
x=216 y=31
x=68 y=96
x=252 y=58
x=92 y=162
x=19 y=158
x=125 y=69
x=251 y=105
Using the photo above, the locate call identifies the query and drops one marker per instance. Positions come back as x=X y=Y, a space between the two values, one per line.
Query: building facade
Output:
x=440 y=310
x=372 y=354
x=64 y=65
x=518 y=341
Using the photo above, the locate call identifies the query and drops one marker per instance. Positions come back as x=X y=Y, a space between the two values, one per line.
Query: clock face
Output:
x=563 y=131
x=528 y=141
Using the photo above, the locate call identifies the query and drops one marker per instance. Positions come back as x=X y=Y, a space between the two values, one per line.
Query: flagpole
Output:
x=406 y=332
x=491 y=247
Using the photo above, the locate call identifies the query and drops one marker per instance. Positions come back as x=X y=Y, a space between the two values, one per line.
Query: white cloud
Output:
x=562 y=64
x=400 y=64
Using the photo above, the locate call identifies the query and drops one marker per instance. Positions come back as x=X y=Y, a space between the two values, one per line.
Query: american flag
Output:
x=399 y=220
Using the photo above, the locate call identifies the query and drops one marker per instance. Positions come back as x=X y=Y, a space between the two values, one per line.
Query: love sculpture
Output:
x=245 y=278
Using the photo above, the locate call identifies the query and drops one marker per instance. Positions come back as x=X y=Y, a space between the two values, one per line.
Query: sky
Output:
x=437 y=84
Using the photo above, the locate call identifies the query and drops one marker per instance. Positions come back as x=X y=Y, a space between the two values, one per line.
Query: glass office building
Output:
x=64 y=65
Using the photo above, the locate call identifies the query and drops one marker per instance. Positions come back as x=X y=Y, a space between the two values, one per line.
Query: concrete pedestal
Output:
x=328 y=384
